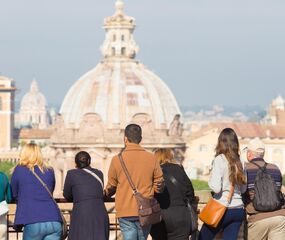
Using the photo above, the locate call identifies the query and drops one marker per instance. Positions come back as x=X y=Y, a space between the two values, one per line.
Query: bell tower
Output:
x=7 y=95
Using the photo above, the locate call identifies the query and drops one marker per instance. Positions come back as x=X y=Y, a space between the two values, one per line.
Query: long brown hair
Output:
x=229 y=146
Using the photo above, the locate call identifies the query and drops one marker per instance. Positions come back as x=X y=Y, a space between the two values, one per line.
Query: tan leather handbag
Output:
x=213 y=212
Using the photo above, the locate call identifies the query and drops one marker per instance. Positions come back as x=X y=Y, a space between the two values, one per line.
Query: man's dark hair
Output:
x=82 y=159
x=133 y=132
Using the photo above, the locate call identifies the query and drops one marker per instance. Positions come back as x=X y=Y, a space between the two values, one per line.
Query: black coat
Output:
x=89 y=219
x=176 y=219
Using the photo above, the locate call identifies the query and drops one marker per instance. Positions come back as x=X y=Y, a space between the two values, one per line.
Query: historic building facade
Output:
x=201 y=145
x=7 y=96
x=118 y=91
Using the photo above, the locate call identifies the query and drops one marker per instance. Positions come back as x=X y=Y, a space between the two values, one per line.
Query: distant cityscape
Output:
x=121 y=90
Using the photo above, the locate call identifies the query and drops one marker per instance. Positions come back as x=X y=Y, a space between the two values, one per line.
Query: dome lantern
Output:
x=119 y=41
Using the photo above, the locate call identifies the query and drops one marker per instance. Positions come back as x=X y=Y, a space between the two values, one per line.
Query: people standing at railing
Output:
x=36 y=211
x=178 y=192
x=84 y=187
x=5 y=198
x=264 y=202
x=146 y=175
x=226 y=172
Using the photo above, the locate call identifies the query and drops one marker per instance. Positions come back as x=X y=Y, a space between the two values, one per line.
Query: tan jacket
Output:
x=145 y=172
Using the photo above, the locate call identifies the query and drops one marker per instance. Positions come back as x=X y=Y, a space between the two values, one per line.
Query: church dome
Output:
x=34 y=99
x=33 y=109
x=119 y=90
x=279 y=103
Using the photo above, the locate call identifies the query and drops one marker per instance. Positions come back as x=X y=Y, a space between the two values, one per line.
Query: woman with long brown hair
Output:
x=226 y=175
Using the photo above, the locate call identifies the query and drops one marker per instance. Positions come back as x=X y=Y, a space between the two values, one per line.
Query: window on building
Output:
x=132 y=99
x=114 y=37
x=123 y=51
x=113 y=51
x=1 y=104
x=123 y=37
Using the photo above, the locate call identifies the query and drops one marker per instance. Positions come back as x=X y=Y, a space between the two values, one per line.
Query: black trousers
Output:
x=174 y=226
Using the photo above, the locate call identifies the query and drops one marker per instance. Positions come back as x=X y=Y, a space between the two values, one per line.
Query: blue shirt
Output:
x=34 y=203
x=5 y=189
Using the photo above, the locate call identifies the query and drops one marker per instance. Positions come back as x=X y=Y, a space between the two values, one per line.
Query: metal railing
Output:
x=12 y=234
x=114 y=225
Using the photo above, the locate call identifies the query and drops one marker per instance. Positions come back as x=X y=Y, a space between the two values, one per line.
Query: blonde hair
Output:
x=164 y=155
x=31 y=156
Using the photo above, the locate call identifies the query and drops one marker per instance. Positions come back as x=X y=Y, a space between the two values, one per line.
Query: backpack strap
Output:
x=263 y=168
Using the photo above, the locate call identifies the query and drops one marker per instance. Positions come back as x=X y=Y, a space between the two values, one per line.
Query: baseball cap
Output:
x=256 y=145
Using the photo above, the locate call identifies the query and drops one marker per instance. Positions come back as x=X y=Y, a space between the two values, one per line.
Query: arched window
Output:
x=1 y=104
x=123 y=37
x=113 y=51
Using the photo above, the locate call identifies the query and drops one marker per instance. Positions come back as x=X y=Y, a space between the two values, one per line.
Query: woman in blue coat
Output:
x=36 y=211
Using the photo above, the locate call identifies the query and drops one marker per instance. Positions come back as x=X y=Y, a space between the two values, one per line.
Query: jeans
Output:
x=42 y=231
x=132 y=230
x=230 y=225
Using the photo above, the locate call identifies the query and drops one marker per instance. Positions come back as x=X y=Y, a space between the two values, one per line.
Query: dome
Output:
x=34 y=99
x=119 y=90
x=33 y=110
x=279 y=103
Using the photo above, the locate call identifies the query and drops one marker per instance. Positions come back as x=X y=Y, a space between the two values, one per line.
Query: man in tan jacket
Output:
x=147 y=176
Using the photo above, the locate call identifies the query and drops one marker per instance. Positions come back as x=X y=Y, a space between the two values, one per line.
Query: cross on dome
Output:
x=119 y=7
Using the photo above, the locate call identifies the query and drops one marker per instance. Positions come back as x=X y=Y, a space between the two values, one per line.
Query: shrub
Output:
x=200 y=185
x=6 y=167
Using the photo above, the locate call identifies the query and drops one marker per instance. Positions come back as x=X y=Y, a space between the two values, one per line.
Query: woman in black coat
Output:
x=84 y=187
x=176 y=223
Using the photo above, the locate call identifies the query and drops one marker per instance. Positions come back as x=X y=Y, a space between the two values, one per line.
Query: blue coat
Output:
x=34 y=204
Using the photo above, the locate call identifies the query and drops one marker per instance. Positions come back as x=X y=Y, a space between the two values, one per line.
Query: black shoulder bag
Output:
x=148 y=208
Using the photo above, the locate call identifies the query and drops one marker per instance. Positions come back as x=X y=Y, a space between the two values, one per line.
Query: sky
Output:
x=224 y=52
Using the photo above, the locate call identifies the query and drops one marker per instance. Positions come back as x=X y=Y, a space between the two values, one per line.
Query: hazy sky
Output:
x=227 y=52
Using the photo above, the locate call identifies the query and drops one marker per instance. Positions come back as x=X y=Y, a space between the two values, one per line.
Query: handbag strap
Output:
x=49 y=192
x=127 y=173
x=95 y=176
